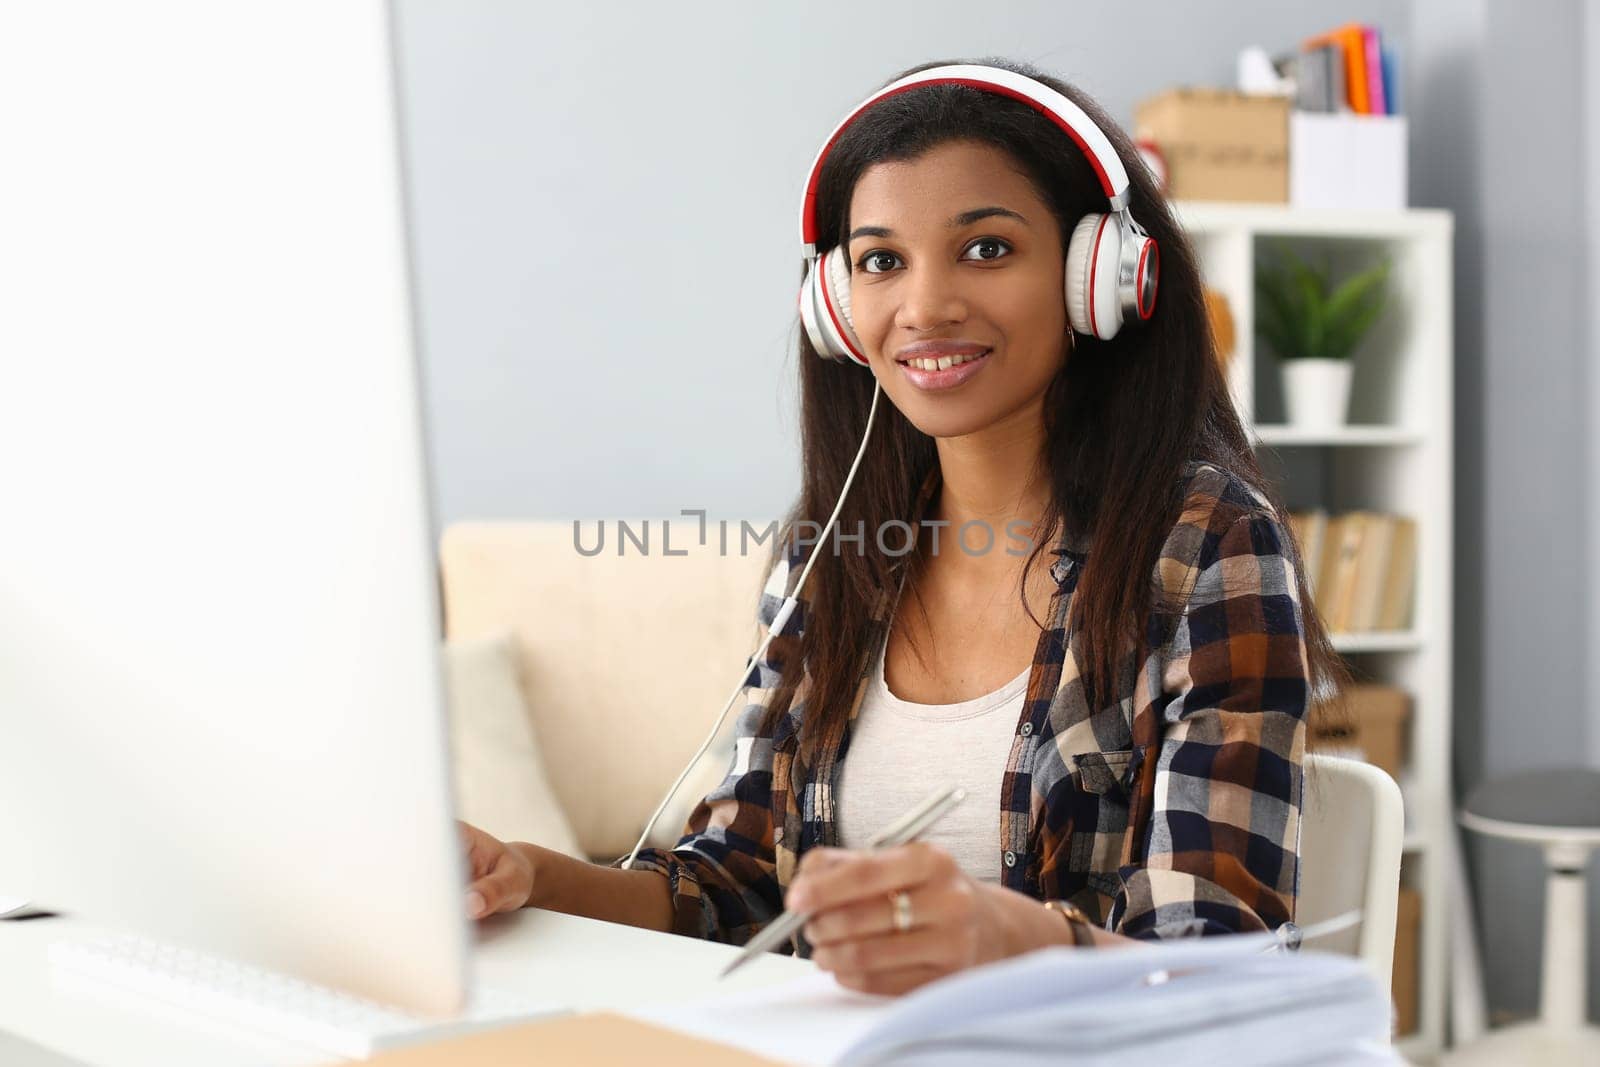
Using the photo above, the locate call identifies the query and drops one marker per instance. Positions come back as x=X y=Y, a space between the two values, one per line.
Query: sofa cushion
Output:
x=500 y=779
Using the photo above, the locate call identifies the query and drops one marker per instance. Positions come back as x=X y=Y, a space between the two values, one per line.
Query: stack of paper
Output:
x=1203 y=1002
x=1212 y=1000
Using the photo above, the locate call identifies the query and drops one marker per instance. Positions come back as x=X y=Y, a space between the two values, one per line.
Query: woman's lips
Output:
x=935 y=380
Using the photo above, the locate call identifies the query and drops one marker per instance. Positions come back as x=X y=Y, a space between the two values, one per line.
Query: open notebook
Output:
x=1221 y=999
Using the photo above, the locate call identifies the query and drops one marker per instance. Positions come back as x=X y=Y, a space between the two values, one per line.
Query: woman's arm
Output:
x=1215 y=843
x=505 y=876
x=561 y=883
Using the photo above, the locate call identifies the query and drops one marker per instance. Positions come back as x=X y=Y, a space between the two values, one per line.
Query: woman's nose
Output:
x=929 y=299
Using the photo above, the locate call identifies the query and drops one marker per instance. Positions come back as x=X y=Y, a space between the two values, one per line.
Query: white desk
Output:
x=579 y=962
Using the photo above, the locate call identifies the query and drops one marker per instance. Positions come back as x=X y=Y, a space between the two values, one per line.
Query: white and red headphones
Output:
x=1112 y=263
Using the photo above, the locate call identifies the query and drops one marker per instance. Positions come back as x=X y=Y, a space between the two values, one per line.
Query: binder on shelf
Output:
x=1391 y=88
x=1319 y=85
x=1353 y=48
x=1360 y=566
x=1332 y=533
x=1371 y=569
x=1372 y=54
x=1340 y=572
x=1395 y=611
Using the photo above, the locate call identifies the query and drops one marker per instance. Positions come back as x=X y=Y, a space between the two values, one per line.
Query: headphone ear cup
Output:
x=809 y=295
x=1147 y=278
x=825 y=310
x=1091 y=277
x=838 y=292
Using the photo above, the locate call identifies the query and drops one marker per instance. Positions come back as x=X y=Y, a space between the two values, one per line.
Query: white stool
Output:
x=1559 y=810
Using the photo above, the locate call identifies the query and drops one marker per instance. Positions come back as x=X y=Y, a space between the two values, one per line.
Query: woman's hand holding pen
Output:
x=954 y=921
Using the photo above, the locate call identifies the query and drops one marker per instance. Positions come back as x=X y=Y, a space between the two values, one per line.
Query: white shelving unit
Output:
x=1395 y=455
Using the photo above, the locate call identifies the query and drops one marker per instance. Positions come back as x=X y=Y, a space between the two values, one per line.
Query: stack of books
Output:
x=1347 y=69
x=1361 y=566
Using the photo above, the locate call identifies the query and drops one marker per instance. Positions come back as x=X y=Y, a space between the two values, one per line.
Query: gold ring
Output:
x=903 y=920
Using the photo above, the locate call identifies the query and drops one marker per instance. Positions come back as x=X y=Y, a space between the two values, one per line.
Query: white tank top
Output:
x=899 y=751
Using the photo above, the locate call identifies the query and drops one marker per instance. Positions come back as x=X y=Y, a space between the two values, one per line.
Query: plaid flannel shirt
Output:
x=1173 y=812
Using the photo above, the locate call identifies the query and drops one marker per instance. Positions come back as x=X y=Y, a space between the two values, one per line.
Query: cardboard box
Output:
x=597 y=1038
x=1369 y=721
x=1404 y=979
x=1347 y=161
x=1220 y=144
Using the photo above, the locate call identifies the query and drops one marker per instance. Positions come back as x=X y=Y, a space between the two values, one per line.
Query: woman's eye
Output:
x=989 y=242
x=873 y=257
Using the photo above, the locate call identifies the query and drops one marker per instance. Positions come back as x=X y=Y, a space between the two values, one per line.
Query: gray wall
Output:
x=1505 y=145
x=1591 y=185
x=607 y=218
x=605 y=207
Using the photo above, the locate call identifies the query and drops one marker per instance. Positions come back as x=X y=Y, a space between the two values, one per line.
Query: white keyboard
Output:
x=273 y=1003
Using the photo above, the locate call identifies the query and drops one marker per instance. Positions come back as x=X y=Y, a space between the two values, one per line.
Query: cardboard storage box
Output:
x=1220 y=144
x=1347 y=161
x=1369 y=722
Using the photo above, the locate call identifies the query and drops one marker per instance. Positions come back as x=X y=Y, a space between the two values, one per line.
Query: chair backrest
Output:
x=1352 y=832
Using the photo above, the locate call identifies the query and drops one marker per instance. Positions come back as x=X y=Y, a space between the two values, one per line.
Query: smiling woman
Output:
x=1128 y=720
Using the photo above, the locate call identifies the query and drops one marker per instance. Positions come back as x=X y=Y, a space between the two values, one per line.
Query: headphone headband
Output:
x=1112 y=263
x=1051 y=104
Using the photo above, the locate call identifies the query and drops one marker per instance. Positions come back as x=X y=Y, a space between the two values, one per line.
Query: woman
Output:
x=1118 y=671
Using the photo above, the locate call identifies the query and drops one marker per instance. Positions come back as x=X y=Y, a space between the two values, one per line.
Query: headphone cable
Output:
x=773 y=630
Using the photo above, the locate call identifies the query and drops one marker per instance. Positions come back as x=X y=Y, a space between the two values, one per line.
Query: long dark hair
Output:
x=1123 y=416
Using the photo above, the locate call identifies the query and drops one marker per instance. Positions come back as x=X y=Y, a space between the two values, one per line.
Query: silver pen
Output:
x=907 y=828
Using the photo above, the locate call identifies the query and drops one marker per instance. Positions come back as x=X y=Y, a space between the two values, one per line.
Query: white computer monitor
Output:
x=221 y=717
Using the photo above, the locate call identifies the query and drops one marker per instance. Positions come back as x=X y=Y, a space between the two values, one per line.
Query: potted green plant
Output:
x=1313 y=326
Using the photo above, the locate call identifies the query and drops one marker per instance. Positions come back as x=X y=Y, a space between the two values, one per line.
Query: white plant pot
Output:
x=1317 y=392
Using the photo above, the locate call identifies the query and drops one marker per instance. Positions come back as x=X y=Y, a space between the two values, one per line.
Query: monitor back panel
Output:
x=219 y=684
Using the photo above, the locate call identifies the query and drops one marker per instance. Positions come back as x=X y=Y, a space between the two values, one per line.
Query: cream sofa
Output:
x=622 y=663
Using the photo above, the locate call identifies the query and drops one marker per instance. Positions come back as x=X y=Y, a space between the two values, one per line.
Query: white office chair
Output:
x=1352 y=831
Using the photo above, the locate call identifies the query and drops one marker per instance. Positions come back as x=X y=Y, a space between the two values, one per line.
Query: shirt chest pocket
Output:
x=1100 y=798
